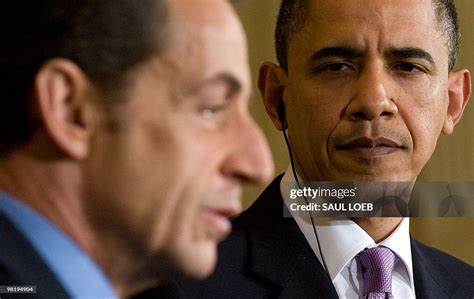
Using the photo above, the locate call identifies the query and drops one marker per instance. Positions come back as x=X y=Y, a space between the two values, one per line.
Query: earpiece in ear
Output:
x=281 y=114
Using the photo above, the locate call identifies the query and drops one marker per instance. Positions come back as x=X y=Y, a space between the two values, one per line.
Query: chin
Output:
x=197 y=261
x=373 y=174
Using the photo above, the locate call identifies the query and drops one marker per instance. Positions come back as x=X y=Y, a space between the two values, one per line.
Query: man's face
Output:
x=366 y=90
x=169 y=178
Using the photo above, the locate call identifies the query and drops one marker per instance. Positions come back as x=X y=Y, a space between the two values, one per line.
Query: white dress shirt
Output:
x=342 y=239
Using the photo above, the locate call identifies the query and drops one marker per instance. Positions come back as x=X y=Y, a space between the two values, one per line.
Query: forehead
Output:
x=362 y=9
x=207 y=38
x=378 y=23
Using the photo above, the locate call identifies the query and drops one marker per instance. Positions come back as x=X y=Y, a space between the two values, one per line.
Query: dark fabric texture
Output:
x=20 y=265
x=267 y=256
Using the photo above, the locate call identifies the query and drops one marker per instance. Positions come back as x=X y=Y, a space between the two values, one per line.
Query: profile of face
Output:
x=170 y=177
x=367 y=90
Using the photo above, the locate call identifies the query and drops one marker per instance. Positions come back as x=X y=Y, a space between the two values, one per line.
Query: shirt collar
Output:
x=78 y=274
x=399 y=242
x=338 y=249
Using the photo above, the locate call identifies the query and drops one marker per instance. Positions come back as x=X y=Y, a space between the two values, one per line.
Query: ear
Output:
x=63 y=95
x=272 y=83
x=459 y=92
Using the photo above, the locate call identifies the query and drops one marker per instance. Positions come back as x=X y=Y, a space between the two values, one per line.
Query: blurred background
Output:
x=452 y=161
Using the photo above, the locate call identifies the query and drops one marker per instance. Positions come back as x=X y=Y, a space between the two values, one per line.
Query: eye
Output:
x=214 y=103
x=211 y=111
x=407 y=67
x=336 y=67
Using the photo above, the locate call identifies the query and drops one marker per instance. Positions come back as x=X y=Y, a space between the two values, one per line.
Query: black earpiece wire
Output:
x=282 y=118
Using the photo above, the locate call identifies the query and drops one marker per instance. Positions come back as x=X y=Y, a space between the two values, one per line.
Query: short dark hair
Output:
x=448 y=19
x=105 y=38
x=293 y=13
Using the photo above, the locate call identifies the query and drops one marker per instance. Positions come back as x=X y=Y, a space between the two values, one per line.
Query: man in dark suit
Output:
x=363 y=89
x=124 y=139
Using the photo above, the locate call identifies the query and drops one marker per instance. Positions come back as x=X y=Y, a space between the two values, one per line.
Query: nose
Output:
x=370 y=98
x=250 y=160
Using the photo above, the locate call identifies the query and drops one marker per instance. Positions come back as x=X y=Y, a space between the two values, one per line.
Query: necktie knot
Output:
x=377 y=266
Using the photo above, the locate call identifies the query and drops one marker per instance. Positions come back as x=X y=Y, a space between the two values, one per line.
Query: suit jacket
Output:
x=267 y=256
x=21 y=265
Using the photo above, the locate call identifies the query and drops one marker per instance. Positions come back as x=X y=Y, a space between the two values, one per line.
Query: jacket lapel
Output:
x=431 y=280
x=280 y=254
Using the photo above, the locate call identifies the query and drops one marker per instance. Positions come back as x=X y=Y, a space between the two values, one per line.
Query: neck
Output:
x=378 y=228
x=50 y=187
x=128 y=268
x=53 y=188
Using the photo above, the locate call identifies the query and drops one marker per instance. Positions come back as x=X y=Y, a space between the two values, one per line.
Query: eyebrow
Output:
x=410 y=52
x=233 y=84
x=228 y=79
x=350 y=53
x=343 y=52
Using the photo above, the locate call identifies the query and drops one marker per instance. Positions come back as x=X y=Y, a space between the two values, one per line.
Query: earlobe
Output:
x=459 y=93
x=272 y=83
x=61 y=92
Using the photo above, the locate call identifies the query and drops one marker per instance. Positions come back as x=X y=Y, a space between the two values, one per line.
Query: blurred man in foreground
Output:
x=364 y=89
x=125 y=137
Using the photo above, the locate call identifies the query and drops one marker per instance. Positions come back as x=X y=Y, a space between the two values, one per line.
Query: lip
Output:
x=217 y=221
x=369 y=148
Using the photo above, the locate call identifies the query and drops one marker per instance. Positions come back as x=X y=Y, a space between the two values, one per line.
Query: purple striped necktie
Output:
x=377 y=265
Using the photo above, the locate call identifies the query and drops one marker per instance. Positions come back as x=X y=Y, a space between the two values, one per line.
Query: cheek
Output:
x=314 y=116
x=193 y=178
x=424 y=117
x=310 y=126
x=425 y=130
x=185 y=239
x=149 y=187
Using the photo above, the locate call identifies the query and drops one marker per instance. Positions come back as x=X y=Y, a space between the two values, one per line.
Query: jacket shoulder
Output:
x=452 y=265
x=434 y=269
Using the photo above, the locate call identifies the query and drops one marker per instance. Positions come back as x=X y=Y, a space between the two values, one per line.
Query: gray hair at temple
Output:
x=293 y=14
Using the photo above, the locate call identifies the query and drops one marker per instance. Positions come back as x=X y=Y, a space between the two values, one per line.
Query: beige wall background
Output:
x=452 y=161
